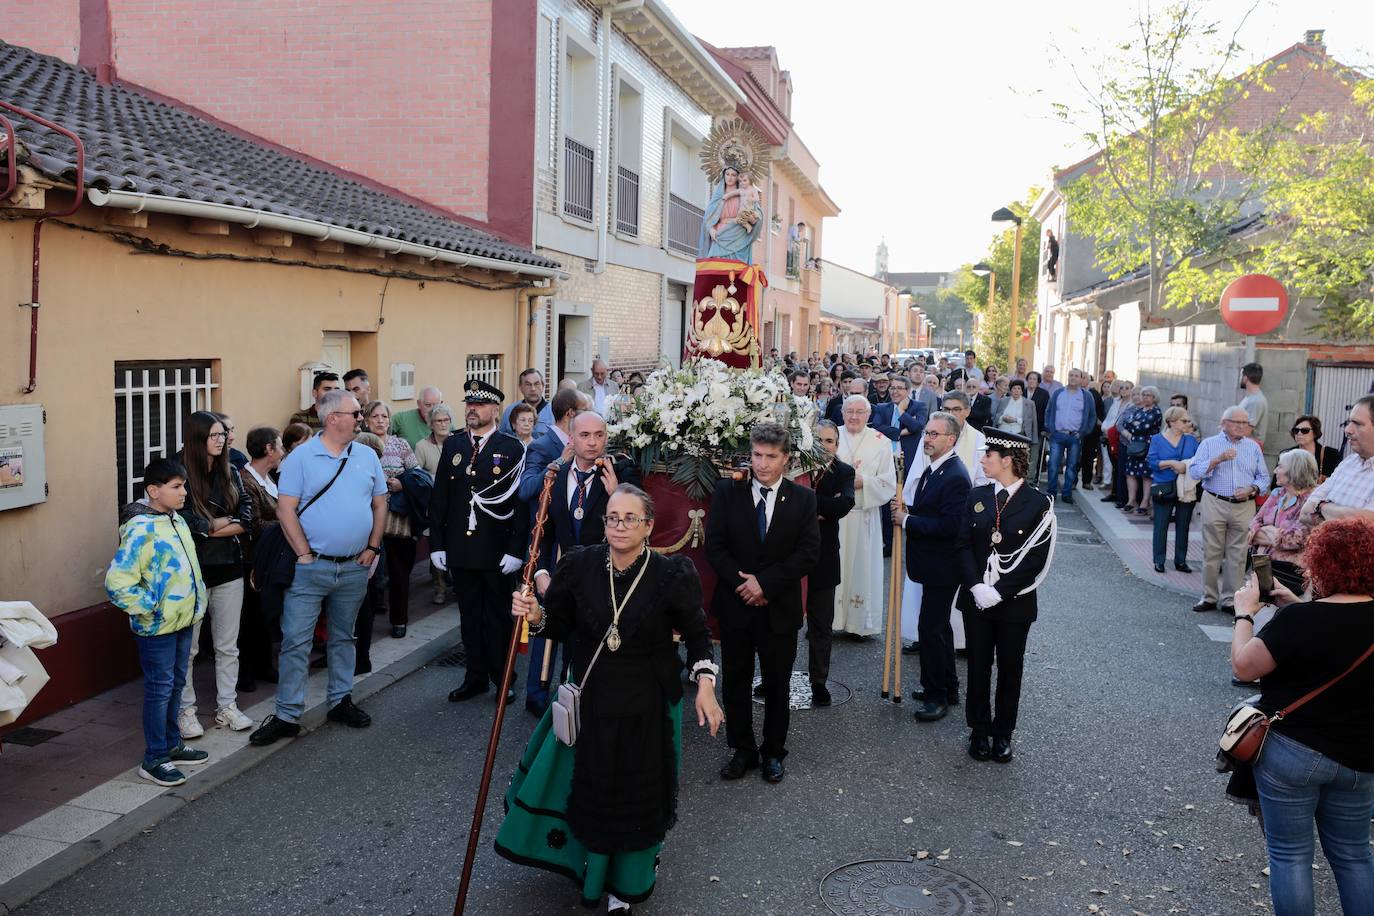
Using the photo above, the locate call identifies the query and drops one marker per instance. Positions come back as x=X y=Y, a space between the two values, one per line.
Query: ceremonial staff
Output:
x=892 y=644
x=518 y=636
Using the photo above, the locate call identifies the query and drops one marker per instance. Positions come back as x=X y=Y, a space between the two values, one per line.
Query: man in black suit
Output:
x=1005 y=542
x=834 y=488
x=931 y=521
x=762 y=539
x=477 y=532
x=576 y=506
x=1041 y=399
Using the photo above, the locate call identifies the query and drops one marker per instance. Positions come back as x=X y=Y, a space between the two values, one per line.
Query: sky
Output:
x=926 y=115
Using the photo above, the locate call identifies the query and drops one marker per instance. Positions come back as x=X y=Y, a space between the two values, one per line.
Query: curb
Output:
x=1107 y=526
x=20 y=890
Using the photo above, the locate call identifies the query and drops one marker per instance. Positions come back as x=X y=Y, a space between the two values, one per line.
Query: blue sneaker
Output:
x=183 y=755
x=162 y=773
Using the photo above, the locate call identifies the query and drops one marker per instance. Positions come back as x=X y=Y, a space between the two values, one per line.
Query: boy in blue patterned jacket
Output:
x=155 y=578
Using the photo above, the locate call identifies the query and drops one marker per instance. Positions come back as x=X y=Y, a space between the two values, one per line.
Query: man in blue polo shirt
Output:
x=1069 y=418
x=341 y=494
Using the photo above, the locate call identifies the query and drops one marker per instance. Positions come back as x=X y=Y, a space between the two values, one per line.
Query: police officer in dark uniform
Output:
x=477 y=532
x=1005 y=545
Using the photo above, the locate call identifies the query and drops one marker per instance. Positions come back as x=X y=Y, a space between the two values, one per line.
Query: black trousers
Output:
x=400 y=560
x=1090 y=459
x=820 y=619
x=939 y=676
x=484 y=606
x=1119 y=474
x=362 y=627
x=886 y=515
x=1003 y=644
x=257 y=660
x=775 y=652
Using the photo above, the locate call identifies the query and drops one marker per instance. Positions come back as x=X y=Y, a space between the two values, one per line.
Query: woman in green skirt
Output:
x=598 y=812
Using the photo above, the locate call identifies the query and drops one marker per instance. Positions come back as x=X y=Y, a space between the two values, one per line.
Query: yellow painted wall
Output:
x=102 y=303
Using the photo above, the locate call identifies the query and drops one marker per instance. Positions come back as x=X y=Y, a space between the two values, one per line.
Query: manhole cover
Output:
x=903 y=887
x=799 y=691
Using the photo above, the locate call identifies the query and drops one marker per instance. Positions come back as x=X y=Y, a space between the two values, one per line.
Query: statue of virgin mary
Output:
x=734 y=217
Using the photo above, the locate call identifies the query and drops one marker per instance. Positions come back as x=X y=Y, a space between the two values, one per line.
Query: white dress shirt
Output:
x=756 y=491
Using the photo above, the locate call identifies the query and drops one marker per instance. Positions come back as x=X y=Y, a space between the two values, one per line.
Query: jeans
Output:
x=1295 y=784
x=1061 y=443
x=224 y=610
x=1182 y=514
x=336 y=590
x=165 y=661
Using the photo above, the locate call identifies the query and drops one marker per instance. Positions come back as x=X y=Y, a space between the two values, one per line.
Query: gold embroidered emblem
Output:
x=977 y=507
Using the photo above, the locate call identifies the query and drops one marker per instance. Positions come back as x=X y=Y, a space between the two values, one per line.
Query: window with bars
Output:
x=485 y=366
x=153 y=402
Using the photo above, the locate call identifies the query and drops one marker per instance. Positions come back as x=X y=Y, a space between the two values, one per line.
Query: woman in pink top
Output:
x=1275 y=530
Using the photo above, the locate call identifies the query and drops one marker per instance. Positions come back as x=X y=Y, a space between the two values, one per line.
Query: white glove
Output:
x=510 y=564
x=985 y=596
x=440 y=559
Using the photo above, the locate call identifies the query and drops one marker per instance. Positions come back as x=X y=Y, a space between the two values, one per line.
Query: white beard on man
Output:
x=970 y=447
x=861 y=599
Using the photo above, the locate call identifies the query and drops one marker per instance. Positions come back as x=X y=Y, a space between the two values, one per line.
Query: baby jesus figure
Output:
x=750 y=203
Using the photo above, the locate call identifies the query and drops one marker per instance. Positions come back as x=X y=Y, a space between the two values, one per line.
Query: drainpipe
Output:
x=33 y=303
x=603 y=153
x=525 y=307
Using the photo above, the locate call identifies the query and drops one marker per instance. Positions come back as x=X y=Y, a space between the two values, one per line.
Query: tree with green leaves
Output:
x=1171 y=177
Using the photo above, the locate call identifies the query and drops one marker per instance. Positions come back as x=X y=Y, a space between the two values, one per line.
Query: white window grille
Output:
x=485 y=366
x=153 y=402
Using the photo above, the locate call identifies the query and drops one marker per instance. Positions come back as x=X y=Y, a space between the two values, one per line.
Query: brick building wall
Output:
x=46 y=26
x=627 y=310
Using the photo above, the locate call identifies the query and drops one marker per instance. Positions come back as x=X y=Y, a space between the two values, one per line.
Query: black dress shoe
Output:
x=772 y=770
x=758 y=690
x=951 y=699
x=1001 y=750
x=741 y=763
x=1159 y=567
x=931 y=712
x=1109 y=498
x=1204 y=606
x=398 y=632
x=1183 y=567
x=1237 y=682
x=467 y=691
x=913 y=649
x=980 y=747
x=1068 y=498
x=273 y=729
x=346 y=713
x=820 y=695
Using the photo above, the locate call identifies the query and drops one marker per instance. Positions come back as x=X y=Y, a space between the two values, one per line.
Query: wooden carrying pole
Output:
x=518 y=632
x=892 y=641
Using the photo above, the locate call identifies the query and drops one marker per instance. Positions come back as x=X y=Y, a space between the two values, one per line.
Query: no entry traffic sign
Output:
x=1254 y=304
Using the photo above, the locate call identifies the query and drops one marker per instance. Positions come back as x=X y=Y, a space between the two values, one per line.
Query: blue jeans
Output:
x=165 y=660
x=1295 y=784
x=1061 y=442
x=337 y=590
x=1182 y=514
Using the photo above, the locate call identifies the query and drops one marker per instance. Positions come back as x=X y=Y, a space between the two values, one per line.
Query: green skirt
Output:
x=536 y=833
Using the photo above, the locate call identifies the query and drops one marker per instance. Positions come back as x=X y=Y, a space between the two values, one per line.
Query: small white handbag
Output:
x=566 y=709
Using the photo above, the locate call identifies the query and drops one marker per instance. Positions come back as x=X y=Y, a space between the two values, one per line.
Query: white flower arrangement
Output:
x=696 y=420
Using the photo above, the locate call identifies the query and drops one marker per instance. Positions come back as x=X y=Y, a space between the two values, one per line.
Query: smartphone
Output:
x=1264 y=573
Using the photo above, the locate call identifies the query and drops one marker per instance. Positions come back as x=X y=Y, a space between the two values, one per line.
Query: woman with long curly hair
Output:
x=1318 y=761
x=219 y=514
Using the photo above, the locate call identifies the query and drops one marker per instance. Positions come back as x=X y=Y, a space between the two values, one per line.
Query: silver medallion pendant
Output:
x=578 y=513
x=997 y=537
x=613 y=639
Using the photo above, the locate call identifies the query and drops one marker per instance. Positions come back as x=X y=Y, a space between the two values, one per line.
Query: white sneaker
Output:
x=230 y=717
x=188 y=724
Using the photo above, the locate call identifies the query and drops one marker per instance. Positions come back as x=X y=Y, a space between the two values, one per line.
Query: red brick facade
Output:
x=407 y=102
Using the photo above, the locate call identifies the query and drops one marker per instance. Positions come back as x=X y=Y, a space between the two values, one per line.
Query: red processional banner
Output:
x=725 y=312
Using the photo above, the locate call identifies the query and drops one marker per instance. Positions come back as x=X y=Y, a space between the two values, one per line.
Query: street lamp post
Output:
x=1001 y=216
x=984 y=269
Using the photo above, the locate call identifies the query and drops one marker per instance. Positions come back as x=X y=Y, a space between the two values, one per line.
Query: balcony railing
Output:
x=578 y=179
x=684 y=225
x=811 y=285
x=626 y=201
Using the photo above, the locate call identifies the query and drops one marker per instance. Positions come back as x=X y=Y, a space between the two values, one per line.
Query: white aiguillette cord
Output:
x=999 y=565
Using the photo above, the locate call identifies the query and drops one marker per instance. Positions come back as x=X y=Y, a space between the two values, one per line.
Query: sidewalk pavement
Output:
x=75 y=794
x=1131 y=536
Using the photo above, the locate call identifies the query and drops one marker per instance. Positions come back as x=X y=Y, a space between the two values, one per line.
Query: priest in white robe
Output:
x=861 y=599
x=970 y=447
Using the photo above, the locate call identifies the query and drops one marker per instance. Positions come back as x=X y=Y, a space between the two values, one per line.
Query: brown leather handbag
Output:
x=1247 y=728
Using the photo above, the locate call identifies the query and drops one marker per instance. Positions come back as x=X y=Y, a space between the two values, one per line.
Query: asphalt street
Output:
x=1111 y=803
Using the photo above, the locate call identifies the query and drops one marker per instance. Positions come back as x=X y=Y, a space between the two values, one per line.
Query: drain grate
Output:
x=30 y=736
x=905 y=887
x=458 y=658
x=799 y=691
